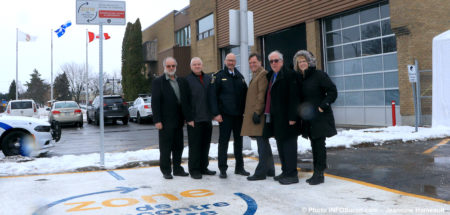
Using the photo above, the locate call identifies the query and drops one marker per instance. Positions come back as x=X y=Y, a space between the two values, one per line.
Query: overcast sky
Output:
x=37 y=18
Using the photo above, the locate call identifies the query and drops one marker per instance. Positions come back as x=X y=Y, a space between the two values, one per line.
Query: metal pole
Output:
x=415 y=103
x=87 y=67
x=244 y=54
x=100 y=82
x=419 y=101
x=51 y=66
x=51 y=76
x=17 y=63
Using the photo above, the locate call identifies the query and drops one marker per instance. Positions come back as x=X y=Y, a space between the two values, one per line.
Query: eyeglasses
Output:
x=173 y=66
x=274 y=61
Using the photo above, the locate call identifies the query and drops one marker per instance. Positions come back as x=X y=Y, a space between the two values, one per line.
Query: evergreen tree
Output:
x=62 y=87
x=12 y=90
x=37 y=88
x=133 y=79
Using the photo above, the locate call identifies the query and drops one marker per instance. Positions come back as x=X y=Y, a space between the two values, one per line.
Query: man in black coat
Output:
x=281 y=116
x=227 y=99
x=199 y=134
x=170 y=104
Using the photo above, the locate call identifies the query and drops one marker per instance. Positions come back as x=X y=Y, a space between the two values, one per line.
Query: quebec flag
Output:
x=60 y=31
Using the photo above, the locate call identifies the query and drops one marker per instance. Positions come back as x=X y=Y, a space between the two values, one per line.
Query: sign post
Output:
x=412 y=74
x=100 y=13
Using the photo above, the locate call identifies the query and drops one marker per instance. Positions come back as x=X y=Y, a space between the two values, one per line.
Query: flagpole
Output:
x=17 y=62
x=51 y=87
x=100 y=83
x=87 y=67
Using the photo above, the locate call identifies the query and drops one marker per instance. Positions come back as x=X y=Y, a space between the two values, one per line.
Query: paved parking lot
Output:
x=144 y=191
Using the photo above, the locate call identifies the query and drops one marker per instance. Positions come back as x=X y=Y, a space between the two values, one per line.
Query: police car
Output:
x=27 y=136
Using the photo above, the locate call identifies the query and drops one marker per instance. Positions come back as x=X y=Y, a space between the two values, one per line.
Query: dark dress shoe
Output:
x=256 y=177
x=208 y=172
x=317 y=178
x=223 y=174
x=167 y=176
x=180 y=173
x=288 y=180
x=241 y=172
x=278 y=177
x=196 y=175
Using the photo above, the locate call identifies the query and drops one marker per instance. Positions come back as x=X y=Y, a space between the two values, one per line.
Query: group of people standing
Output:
x=278 y=103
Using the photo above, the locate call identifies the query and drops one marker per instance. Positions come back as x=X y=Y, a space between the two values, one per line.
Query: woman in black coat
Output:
x=317 y=93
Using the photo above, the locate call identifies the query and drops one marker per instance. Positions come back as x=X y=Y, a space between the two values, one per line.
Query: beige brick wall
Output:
x=206 y=49
x=163 y=31
x=424 y=20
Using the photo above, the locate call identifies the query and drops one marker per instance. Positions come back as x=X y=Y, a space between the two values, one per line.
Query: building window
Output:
x=205 y=27
x=361 y=56
x=183 y=36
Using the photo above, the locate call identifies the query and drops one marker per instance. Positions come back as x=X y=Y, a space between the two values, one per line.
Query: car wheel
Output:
x=125 y=120
x=138 y=118
x=17 y=143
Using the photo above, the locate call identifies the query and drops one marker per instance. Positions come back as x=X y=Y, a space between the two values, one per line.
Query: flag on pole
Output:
x=92 y=36
x=61 y=30
x=24 y=37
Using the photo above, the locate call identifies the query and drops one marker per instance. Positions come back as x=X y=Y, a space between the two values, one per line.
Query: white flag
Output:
x=24 y=37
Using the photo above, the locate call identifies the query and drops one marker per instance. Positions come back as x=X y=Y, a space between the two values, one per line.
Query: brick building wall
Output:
x=206 y=49
x=415 y=23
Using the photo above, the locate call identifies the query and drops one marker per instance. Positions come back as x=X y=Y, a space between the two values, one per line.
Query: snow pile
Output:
x=346 y=138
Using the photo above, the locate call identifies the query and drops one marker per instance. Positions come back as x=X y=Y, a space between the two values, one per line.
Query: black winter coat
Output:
x=283 y=106
x=227 y=93
x=165 y=106
x=199 y=97
x=317 y=90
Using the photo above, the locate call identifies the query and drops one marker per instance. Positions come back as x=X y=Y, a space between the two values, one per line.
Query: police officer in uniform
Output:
x=227 y=99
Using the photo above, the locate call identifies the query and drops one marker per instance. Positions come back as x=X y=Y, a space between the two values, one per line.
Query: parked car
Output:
x=114 y=108
x=141 y=109
x=66 y=112
x=27 y=136
x=24 y=107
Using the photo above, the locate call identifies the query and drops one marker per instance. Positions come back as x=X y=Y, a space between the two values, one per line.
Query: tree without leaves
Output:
x=12 y=90
x=133 y=79
x=37 y=89
x=62 y=87
x=76 y=76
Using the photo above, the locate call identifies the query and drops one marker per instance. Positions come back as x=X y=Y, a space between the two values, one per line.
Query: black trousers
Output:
x=199 y=138
x=230 y=123
x=265 y=164
x=287 y=150
x=319 y=152
x=170 y=143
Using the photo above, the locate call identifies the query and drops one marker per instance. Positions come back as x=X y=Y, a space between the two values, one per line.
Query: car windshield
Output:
x=21 y=105
x=66 y=105
x=148 y=100
x=110 y=101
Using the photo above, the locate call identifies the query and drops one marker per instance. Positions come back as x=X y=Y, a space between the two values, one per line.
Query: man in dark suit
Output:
x=199 y=134
x=227 y=99
x=281 y=116
x=170 y=104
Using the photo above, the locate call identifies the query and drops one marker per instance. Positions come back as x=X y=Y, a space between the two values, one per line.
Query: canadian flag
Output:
x=92 y=36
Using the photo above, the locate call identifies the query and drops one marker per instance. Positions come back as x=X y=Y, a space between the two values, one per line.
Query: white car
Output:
x=141 y=109
x=27 y=136
x=24 y=107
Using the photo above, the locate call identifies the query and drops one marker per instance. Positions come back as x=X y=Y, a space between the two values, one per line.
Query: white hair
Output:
x=196 y=58
x=276 y=52
x=167 y=58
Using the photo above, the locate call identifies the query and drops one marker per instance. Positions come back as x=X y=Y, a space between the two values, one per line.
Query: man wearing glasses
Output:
x=227 y=99
x=170 y=109
x=281 y=116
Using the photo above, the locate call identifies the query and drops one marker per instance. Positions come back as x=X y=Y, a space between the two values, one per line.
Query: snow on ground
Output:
x=346 y=138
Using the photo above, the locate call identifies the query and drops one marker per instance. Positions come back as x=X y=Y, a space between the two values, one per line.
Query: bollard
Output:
x=393 y=113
